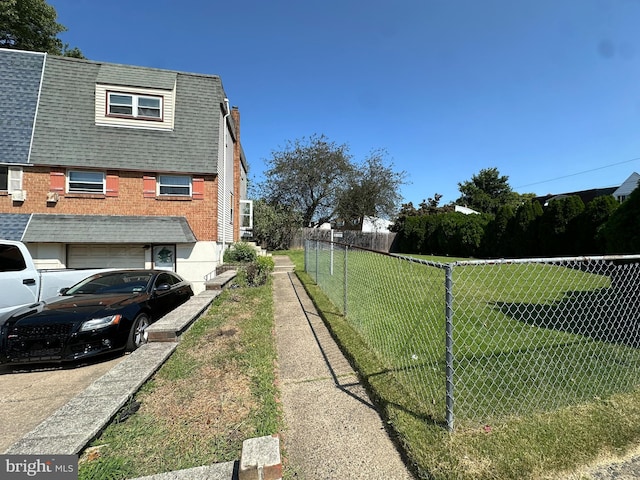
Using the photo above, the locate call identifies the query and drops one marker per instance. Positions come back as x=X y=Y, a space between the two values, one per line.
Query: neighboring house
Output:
x=376 y=225
x=619 y=193
x=585 y=195
x=465 y=210
x=628 y=186
x=369 y=224
x=106 y=165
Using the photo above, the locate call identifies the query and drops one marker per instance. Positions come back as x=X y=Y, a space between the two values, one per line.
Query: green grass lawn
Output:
x=544 y=383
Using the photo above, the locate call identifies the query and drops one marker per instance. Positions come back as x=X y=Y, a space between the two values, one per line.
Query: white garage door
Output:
x=103 y=256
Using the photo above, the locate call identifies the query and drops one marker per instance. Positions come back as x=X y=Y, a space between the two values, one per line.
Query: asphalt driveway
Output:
x=29 y=394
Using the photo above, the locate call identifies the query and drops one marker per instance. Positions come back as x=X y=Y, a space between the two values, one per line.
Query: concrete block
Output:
x=260 y=459
x=220 y=281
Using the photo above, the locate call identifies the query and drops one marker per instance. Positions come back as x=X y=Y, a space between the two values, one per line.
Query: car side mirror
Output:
x=163 y=287
x=63 y=291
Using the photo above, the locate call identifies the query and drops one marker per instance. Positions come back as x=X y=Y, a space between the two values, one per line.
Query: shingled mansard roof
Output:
x=66 y=132
x=13 y=225
x=20 y=74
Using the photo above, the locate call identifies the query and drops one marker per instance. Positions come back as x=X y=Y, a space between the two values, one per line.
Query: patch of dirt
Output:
x=228 y=332
x=217 y=396
x=207 y=404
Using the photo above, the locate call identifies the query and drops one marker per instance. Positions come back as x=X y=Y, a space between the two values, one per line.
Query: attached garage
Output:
x=105 y=241
x=114 y=241
x=100 y=256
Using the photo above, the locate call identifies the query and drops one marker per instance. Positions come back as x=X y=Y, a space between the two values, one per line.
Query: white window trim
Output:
x=159 y=184
x=101 y=192
x=14 y=179
x=166 y=123
x=135 y=113
x=242 y=214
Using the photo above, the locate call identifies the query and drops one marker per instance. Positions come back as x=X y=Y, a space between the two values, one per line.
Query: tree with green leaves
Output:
x=458 y=234
x=274 y=226
x=589 y=225
x=319 y=179
x=308 y=176
x=487 y=191
x=372 y=190
x=496 y=238
x=621 y=233
x=521 y=239
x=32 y=25
x=556 y=228
x=406 y=211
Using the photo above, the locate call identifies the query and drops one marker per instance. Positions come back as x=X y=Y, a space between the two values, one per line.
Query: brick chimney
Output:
x=235 y=114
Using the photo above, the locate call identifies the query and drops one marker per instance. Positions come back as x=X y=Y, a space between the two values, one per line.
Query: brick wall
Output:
x=128 y=200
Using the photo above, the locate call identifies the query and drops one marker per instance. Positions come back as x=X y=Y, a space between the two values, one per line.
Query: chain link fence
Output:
x=485 y=340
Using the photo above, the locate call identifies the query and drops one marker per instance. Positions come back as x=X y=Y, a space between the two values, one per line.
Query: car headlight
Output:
x=97 y=323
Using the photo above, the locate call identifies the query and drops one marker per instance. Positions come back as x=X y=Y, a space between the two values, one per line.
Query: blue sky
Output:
x=546 y=91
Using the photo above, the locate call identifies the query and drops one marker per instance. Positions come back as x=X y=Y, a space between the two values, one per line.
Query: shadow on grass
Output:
x=606 y=314
x=383 y=398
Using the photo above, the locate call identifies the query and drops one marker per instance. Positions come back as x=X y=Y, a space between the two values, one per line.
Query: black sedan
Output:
x=105 y=312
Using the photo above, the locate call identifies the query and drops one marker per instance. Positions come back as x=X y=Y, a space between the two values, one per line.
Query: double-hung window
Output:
x=246 y=214
x=85 y=182
x=144 y=107
x=174 y=185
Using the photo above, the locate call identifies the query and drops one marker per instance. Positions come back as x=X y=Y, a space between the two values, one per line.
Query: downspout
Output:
x=224 y=175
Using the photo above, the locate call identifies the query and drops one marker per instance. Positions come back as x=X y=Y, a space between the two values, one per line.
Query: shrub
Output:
x=258 y=272
x=240 y=252
x=255 y=273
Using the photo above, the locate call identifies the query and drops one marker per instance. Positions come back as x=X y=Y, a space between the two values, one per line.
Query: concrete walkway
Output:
x=333 y=430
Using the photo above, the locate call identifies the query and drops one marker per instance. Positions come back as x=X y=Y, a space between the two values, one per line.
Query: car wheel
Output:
x=138 y=335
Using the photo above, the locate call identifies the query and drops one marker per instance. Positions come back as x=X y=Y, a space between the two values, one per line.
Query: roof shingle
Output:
x=20 y=74
x=66 y=132
x=13 y=225
x=108 y=229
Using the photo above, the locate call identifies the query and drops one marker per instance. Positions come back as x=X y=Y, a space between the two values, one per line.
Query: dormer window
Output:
x=141 y=107
x=134 y=107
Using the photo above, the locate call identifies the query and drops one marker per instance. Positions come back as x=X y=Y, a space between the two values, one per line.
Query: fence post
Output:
x=331 y=267
x=317 y=248
x=346 y=249
x=305 y=244
x=448 y=282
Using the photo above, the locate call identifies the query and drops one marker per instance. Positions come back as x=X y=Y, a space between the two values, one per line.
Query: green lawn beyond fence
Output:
x=525 y=336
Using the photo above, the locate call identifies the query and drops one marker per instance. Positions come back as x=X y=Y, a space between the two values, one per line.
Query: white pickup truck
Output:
x=21 y=283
